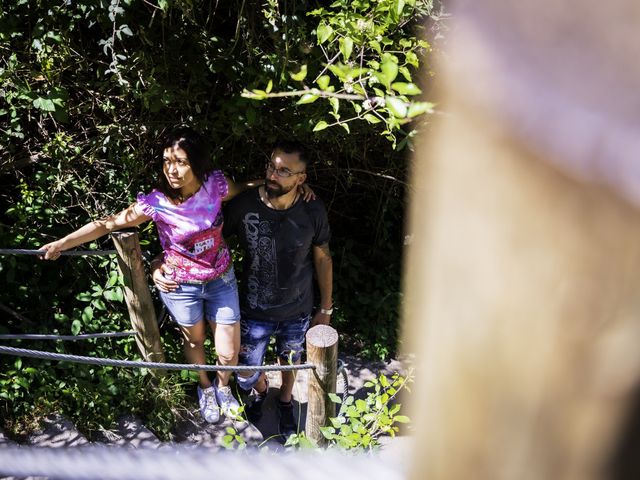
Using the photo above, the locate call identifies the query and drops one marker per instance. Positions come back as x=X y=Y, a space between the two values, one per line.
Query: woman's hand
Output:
x=160 y=274
x=307 y=192
x=52 y=250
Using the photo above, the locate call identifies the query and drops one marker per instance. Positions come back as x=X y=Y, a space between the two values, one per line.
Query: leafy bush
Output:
x=360 y=423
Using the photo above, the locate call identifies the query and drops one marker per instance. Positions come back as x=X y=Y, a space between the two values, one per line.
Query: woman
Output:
x=186 y=208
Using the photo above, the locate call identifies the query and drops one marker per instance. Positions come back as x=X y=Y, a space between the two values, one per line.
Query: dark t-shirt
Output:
x=277 y=278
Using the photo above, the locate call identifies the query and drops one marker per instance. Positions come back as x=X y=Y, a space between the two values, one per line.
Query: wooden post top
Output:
x=322 y=336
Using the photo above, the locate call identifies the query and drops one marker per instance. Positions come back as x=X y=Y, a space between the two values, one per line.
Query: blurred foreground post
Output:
x=523 y=276
x=138 y=297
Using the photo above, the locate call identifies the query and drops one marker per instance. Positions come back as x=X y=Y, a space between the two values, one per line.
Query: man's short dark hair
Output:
x=293 y=146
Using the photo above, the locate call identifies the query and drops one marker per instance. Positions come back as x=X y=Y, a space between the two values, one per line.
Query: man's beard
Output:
x=275 y=190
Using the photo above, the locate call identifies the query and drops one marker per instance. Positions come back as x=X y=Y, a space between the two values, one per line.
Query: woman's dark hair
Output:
x=197 y=152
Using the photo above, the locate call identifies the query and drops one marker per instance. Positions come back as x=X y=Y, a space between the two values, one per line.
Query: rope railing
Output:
x=109 y=362
x=73 y=338
x=70 y=253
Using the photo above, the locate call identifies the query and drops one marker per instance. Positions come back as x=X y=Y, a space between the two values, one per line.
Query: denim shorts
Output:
x=255 y=336
x=216 y=301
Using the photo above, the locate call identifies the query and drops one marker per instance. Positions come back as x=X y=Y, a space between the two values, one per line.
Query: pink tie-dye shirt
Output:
x=191 y=232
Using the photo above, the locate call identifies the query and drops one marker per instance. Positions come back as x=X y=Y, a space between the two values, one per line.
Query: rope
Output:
x=37 y=336
x=23 y=352
x=342 y=374
x=96 y=461
x=71 y=253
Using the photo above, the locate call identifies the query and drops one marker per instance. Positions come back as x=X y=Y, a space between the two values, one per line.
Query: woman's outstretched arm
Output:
x=129 y=217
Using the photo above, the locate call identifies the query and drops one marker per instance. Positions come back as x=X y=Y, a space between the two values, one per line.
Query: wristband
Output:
x=326 y=311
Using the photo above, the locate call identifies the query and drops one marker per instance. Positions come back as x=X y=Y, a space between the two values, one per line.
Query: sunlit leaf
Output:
x=324 y=33
x=300 y=75
x=418 y=108
x=76 y=325
x=371 y=118
x=346 y=47
x=390 y=70
x=45 y=104
x=396 y=106
x=323 y=81
x=321 y=125
x=307 y=98
x=334 y=398
x=406 y=88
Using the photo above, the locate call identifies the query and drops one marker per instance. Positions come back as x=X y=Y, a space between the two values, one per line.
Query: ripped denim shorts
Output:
x=255 y=337
x=216 y=301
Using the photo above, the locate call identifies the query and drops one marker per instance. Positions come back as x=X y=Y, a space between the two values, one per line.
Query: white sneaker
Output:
x=208 y=406
x=228 y=404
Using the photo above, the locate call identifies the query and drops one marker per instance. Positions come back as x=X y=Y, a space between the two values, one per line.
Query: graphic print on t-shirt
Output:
x=197 y=252
x=262 y=279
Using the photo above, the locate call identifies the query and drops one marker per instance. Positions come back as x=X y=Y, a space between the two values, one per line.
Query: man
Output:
x=284 y=239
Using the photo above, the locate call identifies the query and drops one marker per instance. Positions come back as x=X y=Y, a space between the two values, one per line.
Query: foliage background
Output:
x=87 y=87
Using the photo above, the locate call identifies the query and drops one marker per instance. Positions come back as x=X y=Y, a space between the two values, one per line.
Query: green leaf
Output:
x=255 y=94
x=389 y=69
x=300 y=76
x=406 y=88
x=371 y=118
x=119 y=294
x=335 y=104
x=307 y=98
x=412 y=59
x=306 y=443
x=345 y=126
x=376 y=46
x=76 y=325
x=98 y=304
x=87 y=315
x=323 y=82
x=324 y=32
x=345 y=430
x=84 y=297
x=401 y=419
x=18 y=363
x=334 y=398
x=327 y=432
x=339 y=71
x=113 y=279
x=321 y=125
x=346 y=47
x=418 y=108
x=404 y=71
x=270 y=86
x=44 y=104
x=397 y=107
x=361 y=405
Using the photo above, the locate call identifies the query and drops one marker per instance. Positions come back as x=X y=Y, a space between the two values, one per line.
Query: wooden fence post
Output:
x=138 y=297
x=322 y=351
